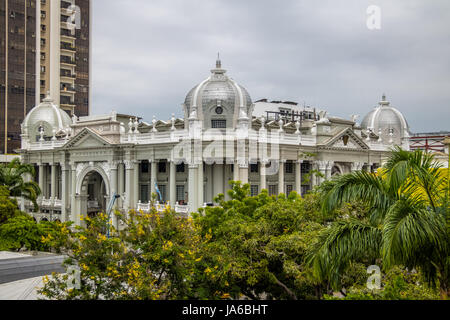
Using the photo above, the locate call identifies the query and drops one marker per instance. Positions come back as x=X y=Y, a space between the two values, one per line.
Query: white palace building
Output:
x=82 y=162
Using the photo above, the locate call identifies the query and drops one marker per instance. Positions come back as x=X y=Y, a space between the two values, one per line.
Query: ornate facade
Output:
x=82 y=162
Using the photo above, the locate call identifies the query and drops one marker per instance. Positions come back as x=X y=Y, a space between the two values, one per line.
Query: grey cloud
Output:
x=149 y=54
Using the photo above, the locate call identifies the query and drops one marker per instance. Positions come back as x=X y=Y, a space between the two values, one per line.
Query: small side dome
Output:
x=47 y=116
x=387 y=121
x=218 y=100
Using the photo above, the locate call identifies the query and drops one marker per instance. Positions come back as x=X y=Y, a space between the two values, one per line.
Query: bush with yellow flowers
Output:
x=153 y=257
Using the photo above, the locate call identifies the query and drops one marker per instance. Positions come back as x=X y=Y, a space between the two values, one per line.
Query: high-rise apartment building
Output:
x=17 y=68
x=56 y=35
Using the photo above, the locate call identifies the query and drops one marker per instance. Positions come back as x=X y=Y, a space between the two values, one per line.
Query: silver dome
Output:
x=385 y=120
x=48 y=116
x=218 y=90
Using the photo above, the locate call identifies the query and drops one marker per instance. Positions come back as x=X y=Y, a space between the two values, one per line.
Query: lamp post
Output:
x=110 y=206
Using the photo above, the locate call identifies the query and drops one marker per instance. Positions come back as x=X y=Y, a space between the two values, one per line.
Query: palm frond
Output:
x=341 y=243
x=362 y=186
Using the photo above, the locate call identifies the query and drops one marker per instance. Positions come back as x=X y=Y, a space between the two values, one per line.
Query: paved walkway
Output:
x=21 y=274
x=21 y=290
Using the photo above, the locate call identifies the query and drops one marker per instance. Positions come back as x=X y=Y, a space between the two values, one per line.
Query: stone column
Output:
x=322 y=165
x=41 y=180
x=136 y=193
x=64 y=195
x=200 y=187
x=369 y=167
x=53 y=181
x=262 y=171
x=114 y=190
x=243 y=173
x=173 y=184
x=73 y=207
x=192 y=187
x=329 y=169
x=153 y=177
x=281 y=176
x=236 y=171
x=298 y=177
x=129 y=167
x=120 y=184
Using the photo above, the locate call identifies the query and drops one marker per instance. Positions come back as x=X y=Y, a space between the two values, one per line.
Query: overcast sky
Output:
x=148 y=54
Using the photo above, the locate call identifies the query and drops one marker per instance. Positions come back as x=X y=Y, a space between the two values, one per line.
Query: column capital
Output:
x=129 y=165
x=330 y=165
x=322 y=165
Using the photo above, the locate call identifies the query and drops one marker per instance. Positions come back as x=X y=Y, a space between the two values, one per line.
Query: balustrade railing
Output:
x=146 y=207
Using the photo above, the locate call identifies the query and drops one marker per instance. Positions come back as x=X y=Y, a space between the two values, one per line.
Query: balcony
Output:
x=183 y=210
x=50 y=203
x=65 y=33
x=67 y=102
x=65 y=4
x=67 y=46
x=67 y=60
x=68 y=89
x=67 y=75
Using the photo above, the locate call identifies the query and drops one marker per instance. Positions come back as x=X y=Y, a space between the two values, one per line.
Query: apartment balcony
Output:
x=67 y=75
x=67 y=102
x=67 y=34
x=67 y=47
x=68 y=89
x=67 y=60
x=65 y=4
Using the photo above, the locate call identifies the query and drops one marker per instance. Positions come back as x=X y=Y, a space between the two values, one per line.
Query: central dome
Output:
x=218 y=98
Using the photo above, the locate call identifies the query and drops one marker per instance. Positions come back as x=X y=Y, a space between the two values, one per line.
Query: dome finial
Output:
x=384 y=102
x=218 y=62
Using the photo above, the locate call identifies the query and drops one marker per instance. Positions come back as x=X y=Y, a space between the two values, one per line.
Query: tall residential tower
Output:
x=56 y=35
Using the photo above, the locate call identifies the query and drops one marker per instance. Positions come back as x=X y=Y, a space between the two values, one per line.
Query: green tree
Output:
x=255 y=246
x=12 y=177
x=8 y=206
x=153 y=257
x=21 y=232
x=405 y=224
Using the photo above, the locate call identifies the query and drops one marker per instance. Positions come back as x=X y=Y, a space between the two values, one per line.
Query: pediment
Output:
x=87 y=138
x=346 y=140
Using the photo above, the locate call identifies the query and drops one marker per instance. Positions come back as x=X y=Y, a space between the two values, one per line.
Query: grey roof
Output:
x=384 y=119
x=49 y=115
x=218 y=87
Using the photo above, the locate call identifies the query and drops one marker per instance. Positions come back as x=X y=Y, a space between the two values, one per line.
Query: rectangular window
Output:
x=289 y=189
x=254 y=190
x=306 y=167
x=254 y=168
x=145 y=193
x=218 y=124
x=144 y=167
x=181 y=168
x=162 y=168
x=162 y=189
x=272 y=190
x=180 y=194
x=289 y=167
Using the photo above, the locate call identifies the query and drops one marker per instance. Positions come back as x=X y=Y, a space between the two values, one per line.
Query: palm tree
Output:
x=12 y=177
x=406 y=225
